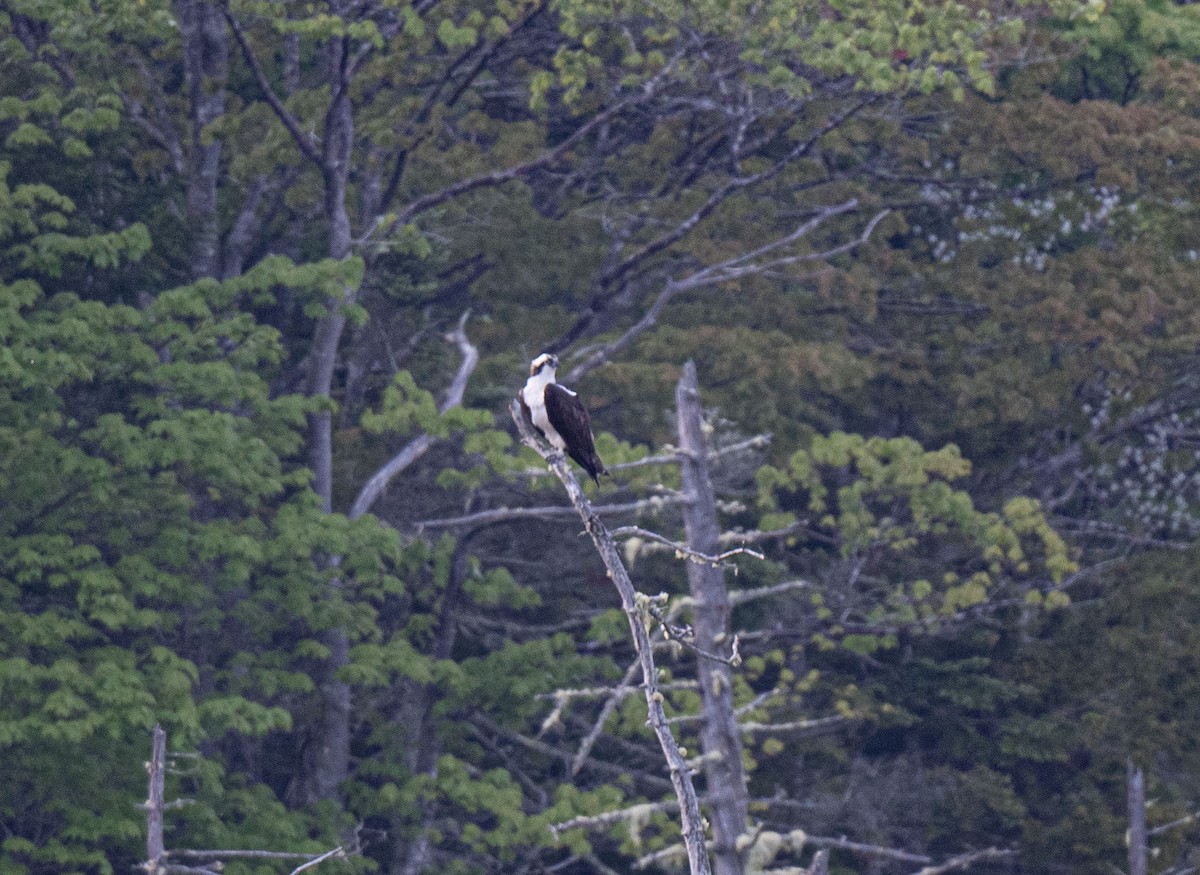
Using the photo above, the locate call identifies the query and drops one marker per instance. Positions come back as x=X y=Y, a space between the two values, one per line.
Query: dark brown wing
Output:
x=570 y=419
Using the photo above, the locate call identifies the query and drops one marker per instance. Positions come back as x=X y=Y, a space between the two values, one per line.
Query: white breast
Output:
x=534 y=394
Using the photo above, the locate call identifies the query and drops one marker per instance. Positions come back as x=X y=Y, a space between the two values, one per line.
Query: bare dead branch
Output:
x=733 y=268
x=686 y=637
x=249 y=854
x=806 y=728
x=336 y=852
x=606 y=711
x=605 y=692
x=671 y=856
x=1183 y=821
x=734 y=185
x=608 y=818
x=418 y=446
x=962 y=861
x=505 y=514
x=669 y=457
x=738 y=597
x=683 y=551
x=844 y=844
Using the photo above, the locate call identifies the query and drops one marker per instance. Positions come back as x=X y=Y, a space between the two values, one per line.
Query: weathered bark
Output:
x=720 y=736
x=336 y=146
x=1136 y=797
x=206 y=69
x=691 y=823
x=155 y=849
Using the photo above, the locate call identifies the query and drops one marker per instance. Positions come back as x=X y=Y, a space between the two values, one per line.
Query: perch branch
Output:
x=681 y=778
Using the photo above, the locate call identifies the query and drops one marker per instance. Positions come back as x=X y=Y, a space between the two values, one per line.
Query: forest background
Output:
x=272 y=272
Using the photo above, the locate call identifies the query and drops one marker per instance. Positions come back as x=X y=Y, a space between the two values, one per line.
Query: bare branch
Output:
x=505 y=514
x=844 y=844
x=606 y=711
x=806 y=728
x=499 y=177
x=670 y=457
x=962 y=861
x=418 y=446
x=608 y=818
x=683 y=550
x=716 y=198
x=336 y=852
x=672 y=856
x=605 y=692
x=247 y=854
x=1183 y=821
x=732 y=268
x=738 y=597
x=304 y=142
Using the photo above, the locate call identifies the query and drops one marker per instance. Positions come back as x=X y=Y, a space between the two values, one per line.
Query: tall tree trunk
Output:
x=331 y=753
x=720 y=736
x=206 y=70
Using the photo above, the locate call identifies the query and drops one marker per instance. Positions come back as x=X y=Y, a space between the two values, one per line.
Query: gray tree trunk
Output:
x=720 y=736
x=1138 y=854
x=331 y=754
x=206 y=70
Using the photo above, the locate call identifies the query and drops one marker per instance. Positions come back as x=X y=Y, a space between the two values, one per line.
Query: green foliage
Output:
x=892 y=504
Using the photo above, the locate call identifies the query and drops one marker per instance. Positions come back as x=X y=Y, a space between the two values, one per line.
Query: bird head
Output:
x=542 y=362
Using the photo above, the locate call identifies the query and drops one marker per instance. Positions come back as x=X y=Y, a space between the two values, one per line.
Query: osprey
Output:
x=559 y=416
